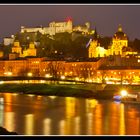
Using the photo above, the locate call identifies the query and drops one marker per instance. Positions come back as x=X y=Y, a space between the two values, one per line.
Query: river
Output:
x=52 y=115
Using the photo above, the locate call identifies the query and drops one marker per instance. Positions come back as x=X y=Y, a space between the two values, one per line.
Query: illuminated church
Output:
x=17 y=49
x=95 y=50
x=118 y=46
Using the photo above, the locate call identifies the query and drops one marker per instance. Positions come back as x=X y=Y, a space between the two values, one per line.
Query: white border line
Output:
x=71 y=4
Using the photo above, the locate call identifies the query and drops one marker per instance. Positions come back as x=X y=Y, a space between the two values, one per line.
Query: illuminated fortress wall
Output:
x=54 y=27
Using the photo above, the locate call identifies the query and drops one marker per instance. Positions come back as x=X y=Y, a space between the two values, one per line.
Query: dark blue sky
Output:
x=105 y=17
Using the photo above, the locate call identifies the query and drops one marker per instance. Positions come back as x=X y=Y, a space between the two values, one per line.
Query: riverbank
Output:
x=97 y=91
x=4 y=131
x=83 y=91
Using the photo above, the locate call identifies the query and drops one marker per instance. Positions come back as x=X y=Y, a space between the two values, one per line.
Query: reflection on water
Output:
x=8 y=101
x=62 y=127
x=70 y=113
x=42 y=115
x=47 y=127
x=1 y=114
x=70 y=107
x=122 y=120
x=90 y=104
x=9 y=121
x=98 y=120
x=29 y=124
x=89 y=123
x=77 y=125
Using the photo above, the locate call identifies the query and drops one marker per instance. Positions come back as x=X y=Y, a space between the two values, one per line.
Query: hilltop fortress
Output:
x=58 y=27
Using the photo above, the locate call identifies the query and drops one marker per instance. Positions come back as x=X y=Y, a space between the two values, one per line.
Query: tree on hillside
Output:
x=85 y=71
x=135 y=44
x=55 y=68
x=105 y=41
x=23 y=72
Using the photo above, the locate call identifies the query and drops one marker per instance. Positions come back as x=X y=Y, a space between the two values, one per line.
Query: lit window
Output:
x=71 y=72
x=138 y=60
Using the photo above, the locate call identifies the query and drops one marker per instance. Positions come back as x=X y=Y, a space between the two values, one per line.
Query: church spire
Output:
x=95 y=36
x=120 y=28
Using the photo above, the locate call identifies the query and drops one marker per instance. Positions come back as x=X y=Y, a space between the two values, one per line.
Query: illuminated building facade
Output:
x=107 y=69
x=95 y=50
x=83 y=70
x=54 y=27
x=84 y=29
x=59 y=27
x=1 y=54
x=17 y=48
x=119 y=43
x=119 y=69
x=8 y=41
x=31 y=51
x=117 y=63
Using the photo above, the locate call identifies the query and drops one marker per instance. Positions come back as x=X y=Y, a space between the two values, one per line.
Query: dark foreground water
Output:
x=42 y=115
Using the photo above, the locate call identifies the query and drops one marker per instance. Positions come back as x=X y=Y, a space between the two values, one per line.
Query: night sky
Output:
x=105 y=17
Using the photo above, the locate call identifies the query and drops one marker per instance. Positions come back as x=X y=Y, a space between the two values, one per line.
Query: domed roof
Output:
x=120 y=34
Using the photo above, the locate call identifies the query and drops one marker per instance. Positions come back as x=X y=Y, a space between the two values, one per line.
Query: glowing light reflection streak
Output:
x=29 y=124
x=47 y=126
x=9 y=123
x=62 y=126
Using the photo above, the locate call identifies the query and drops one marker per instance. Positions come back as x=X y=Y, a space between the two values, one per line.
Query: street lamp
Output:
x=63 y=77
x=124 y=93
x=29 y=74
x=48 y=75
x=77 y=79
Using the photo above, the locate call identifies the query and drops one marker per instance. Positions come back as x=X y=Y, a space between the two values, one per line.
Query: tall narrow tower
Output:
x=93 y=45
x=17 y=48
x=69 y=25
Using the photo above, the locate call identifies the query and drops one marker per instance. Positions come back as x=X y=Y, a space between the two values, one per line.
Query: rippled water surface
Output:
x=51 y=115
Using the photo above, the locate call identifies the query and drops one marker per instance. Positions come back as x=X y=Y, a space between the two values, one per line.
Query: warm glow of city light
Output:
x=52 y=97
x=29 y=74
x=1 y=82
x=8 y=73
x=71 y=72
x=48 y=75
x=124 y=93
x=90 y=80
x=62 y=77
x=29 y=125
x=77 y=79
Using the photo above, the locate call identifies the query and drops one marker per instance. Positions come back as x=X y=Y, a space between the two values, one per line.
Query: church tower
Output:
x=119 y=41
x=17 y=48
x=93 y=45
x=31 y=51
